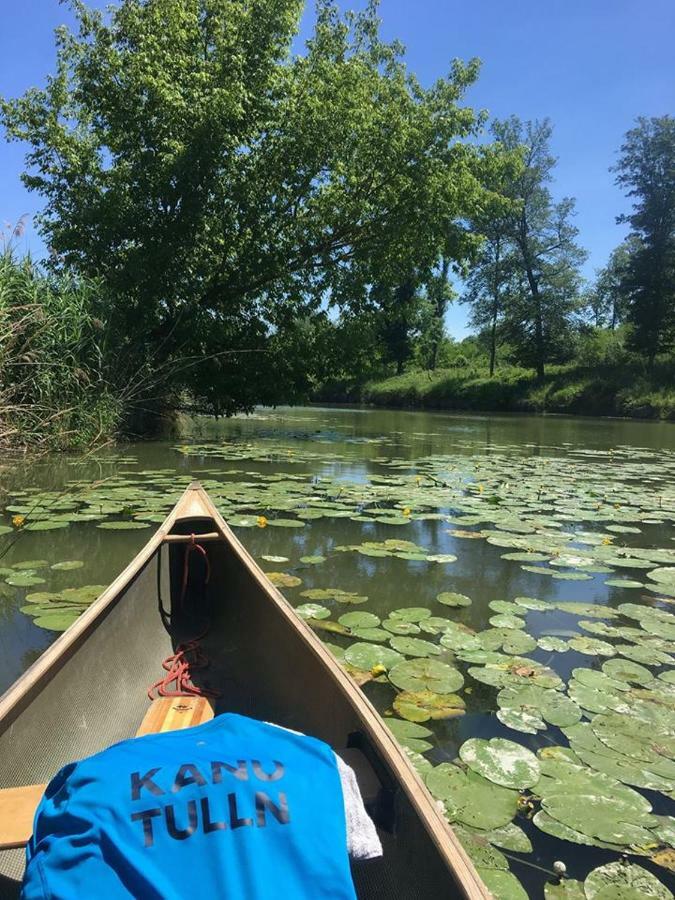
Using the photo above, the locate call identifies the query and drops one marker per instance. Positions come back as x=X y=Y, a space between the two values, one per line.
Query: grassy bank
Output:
x=598 y=391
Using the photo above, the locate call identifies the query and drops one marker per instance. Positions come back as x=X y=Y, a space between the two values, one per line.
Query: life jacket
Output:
x=233 y=808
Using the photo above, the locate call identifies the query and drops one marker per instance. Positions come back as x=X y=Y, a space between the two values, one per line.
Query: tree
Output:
x=495 y=266
x=539 y=319
x=607 y=299
x=646 y=169
x=439 y=294
x=223 y=187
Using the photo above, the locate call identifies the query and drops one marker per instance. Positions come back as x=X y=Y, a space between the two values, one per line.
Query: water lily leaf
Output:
x=450 y=598
x=510 y=837
x=371 y=634
x=410 y=734
x=442 y=558
x=524 y=719
x=30 y=564
x=426 y=675
x=649 y=656
x=622 y=670
x=665 y=858
x=274 y=559
x=507 y=621
x=24 y=579
x=410 y=613
x=131 y=525
x=567 y=889
x=312 y=611
x=56 y=621
x=420 y=706
x=400 y=626
x=510 y=640
x=621 y=879
x=506 y=606
x=623 y=583
x=359 y=620
x=47 y=525
x=502 y=762
x=283 y=579
x=664 y=575
x=556 y=829
x=84 y=594
x=312 y=560
x=458 y=639
x=367 y=656
x=286 y=523
x=588 y=610
x=605 y=818
x=470 y=798
x=67 y=565
x=533 y=603
x=502 y=885
x=552 y=644
x=436 y=624
x=413 y=646
x=591 y=646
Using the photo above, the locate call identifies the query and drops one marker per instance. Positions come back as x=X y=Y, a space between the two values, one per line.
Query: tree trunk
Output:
x=439 y=313
x=495 y=309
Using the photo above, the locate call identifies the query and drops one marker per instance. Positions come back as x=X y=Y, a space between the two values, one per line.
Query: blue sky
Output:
x=592 y=66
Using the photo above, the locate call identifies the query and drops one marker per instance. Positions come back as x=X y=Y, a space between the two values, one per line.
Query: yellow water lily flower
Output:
x=261 y=522
x=407 y=511
x=607 y=540
x=18 y=521
x=378 y=670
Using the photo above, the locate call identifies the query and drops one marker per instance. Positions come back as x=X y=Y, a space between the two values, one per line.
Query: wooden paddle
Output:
x=18 y=804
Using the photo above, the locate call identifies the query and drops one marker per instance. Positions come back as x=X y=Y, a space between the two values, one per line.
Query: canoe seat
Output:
x=18 y=804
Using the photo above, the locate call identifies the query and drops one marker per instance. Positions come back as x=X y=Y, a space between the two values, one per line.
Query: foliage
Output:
x=625 y=388
x=54 y=359
x=646 y=169
x=225 y=188
x=607 y=299
x=544 y=293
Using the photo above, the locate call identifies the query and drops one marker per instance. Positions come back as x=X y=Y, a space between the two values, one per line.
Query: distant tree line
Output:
x=256 y=221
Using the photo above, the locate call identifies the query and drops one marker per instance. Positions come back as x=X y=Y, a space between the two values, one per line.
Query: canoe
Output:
x=89 y=690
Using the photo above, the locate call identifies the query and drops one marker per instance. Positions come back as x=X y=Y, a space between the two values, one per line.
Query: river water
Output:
x=576 y=499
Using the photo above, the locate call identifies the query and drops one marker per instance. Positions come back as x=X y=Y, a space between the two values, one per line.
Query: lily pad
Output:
x=420 y=706
x=131 y=525
x=471 y=799
x=366 y=656
x=56 y=621
x=412 y=646
x=312 y=611
x=621 y=879
x=503 y=762
x=359 y=620
x=426 y=675
x=67 y=565
x=450 y=598
x=283 y=579
x=410 y=734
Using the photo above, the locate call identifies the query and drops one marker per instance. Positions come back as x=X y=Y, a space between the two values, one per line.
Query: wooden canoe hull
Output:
x=88 y=690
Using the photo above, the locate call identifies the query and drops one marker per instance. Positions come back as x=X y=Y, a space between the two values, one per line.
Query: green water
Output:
x=434 y=474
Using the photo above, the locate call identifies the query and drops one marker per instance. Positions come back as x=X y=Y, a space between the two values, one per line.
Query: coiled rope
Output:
x=189 y=656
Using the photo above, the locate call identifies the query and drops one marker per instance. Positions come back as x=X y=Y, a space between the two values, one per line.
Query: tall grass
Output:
x=54 y=386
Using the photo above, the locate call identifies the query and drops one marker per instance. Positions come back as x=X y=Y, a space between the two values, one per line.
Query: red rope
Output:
x=189 y=655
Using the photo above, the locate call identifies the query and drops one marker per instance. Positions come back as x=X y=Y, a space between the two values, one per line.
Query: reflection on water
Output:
x=330 y=455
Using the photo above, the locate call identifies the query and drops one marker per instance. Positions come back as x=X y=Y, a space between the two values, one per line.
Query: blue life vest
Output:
x=234 y=808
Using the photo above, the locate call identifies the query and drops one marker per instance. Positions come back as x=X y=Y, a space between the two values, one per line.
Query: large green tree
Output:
x=541 y=239
x=224 y=188
x=646 y=169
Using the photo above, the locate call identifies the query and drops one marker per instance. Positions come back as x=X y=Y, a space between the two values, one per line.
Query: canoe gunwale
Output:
x=196 y=504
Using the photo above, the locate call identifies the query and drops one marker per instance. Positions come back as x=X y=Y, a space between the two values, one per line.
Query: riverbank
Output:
x=575 y=390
